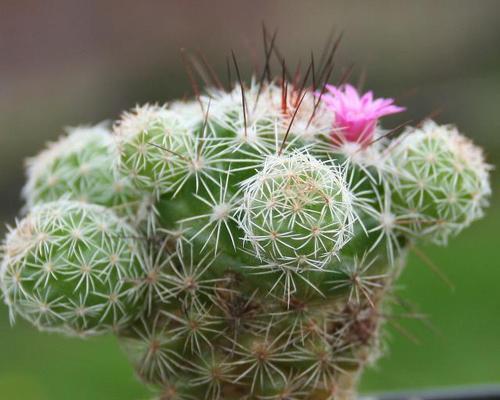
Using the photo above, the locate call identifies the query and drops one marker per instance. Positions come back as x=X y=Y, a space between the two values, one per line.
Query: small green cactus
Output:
x=297 y=211
x=441 y=180
x=154 y=148
x=79 y=166
x=250 y=250
x=72 y=267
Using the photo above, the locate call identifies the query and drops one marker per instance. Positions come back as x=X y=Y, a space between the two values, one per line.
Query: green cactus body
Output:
x=154 y=149
x=297 y=211
x=80 y=166
x=442 y=180
x=264 y=251
x=72 y=267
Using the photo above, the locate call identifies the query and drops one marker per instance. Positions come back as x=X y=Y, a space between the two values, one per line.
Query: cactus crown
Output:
x=240 y=245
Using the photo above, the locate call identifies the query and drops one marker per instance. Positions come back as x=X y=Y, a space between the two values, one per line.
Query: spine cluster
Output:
x=240 y=245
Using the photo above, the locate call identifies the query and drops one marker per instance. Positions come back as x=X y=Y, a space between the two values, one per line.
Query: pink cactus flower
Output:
x=356 y=116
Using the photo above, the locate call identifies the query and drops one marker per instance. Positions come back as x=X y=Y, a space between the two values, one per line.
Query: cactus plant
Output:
x=79 y=167
x=72 y=267
x=254 y=241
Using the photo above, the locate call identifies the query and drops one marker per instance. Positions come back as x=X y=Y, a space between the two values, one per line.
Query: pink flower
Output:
x=356 y=116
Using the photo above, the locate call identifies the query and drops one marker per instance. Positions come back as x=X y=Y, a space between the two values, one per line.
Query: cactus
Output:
x=442 y=180
x=72 y=267
x=252 y=249
x=79 y=167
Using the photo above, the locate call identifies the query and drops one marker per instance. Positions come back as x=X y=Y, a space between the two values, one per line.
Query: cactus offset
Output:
x=79 y=167
x=72 y=267
x=249 y=252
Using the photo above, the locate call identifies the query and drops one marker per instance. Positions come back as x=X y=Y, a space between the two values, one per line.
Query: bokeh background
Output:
x=68 y=62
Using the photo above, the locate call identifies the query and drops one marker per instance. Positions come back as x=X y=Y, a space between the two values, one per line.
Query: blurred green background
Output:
x=68 y=62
